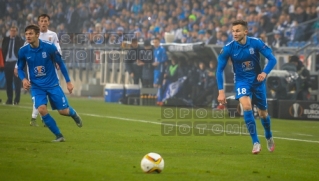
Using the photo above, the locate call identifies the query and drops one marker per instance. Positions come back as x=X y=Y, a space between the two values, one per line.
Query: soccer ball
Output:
x=152 y=163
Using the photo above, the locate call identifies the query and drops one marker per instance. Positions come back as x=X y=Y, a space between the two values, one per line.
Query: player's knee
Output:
x=64 y=112
x=263 y=114
x=42 y=110
x=247 y=107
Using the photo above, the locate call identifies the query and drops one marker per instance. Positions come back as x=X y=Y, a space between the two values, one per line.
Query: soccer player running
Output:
x=41 y=57
x=249 y=79
x=50 y=36
x=47 y=35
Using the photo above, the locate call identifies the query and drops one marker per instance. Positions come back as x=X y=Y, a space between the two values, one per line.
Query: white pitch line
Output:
x=158 y=123
x=152 y=122
x=302 y=134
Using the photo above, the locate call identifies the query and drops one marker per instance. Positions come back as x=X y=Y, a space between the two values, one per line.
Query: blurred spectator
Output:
x=146 y=61
x=136 y=7
x=279 y=40
x=133 y=63
x=303 y=81
x=191 y=72
x=10 y=47
x=172 y=73
x=171 y=16
x=210 y=38
x=72 y=19
x=264 y=38
x=201 y=81
x=210 y=87
x=304 y=75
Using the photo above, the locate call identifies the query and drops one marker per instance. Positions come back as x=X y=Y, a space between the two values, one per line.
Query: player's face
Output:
x=134 y=44
x=44 y=23
x=239 y=32
x=156 y=43
x=31 y=36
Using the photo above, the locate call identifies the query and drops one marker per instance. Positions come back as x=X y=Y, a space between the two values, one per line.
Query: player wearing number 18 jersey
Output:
x=244 y=52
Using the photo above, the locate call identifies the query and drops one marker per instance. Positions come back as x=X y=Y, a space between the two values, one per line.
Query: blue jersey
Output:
x=160 y=56
x=245 y=60
x=41 y=62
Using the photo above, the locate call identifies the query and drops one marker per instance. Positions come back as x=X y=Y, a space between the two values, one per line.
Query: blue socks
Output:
x=251 y=125
x=266 y=124
x=71 y=111
x=51 y=124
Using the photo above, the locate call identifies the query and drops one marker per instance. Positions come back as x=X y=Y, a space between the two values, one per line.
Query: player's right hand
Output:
x=221 y=97
x=26 y=84
x=70 y=87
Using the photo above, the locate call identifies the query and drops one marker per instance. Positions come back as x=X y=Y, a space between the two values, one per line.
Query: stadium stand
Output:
x=186 y=19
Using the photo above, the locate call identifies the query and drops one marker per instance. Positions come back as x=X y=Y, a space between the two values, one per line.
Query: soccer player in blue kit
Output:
x=160 y=57
x=249 y=79
x=41 y=57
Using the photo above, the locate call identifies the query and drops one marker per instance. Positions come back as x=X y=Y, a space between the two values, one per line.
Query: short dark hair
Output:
x=240 y=22
x=44 y=16
x=294 y=58
x=33 y=27
x=156 y=38
x=210 y=32
x=15 y=27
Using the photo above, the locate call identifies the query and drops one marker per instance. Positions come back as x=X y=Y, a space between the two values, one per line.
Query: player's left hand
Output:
x=261 y=77
x=70 y=87
x=15 y=72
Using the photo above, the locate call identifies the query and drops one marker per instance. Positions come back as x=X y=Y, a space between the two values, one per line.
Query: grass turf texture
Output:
x=113 y=140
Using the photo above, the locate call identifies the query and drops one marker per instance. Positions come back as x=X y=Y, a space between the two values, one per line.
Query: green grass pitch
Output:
x=115 y=137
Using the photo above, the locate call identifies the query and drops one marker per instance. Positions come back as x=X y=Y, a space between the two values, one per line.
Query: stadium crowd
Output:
x=276 y=22
x=190 y=20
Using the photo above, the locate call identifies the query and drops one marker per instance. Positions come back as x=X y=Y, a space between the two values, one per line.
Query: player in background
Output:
x=160 y=57
x=41 y=57
x=46 y=35
x=249 y=79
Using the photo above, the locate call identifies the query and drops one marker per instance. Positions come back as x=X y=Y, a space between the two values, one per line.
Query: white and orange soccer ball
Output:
x=152 y=163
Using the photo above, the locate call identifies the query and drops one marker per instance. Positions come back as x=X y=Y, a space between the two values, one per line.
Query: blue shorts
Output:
x=55 y=94
x=257 y=93
x=158 y=77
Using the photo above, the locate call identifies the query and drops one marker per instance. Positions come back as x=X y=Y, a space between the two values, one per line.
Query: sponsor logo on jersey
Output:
x=39 y=71
x=247 y=65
